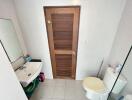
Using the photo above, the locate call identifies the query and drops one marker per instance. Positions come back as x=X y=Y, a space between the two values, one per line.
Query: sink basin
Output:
x=28 y=72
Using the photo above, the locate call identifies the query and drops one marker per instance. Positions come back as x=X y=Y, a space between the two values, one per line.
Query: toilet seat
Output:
x=93 y=84
x=95 y=89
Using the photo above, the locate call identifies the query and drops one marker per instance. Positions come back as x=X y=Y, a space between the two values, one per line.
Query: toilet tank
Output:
x=120 y=84
x=110 y=78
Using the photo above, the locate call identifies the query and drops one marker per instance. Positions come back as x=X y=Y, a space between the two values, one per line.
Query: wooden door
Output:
x=62 y=27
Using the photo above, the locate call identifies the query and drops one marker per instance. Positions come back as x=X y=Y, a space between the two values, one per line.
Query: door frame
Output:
x=77 y=37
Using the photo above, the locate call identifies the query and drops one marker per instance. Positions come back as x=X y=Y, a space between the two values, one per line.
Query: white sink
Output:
x=28 y=72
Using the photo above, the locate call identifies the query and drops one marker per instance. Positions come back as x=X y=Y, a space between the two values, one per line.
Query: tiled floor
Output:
x=59 y=89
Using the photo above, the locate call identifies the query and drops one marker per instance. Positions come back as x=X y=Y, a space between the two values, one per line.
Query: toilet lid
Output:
x=94 y=84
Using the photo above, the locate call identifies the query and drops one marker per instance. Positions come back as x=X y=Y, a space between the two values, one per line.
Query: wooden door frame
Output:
x=76 y=42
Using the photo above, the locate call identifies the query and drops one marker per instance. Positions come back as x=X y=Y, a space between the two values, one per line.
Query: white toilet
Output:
x=97 y=89
x=128 y=97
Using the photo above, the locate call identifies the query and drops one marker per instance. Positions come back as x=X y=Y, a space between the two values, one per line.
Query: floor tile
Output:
x=49 y=82
x=50 y=99
x=60 y=82
x=47 y=91
x=45 y=99
x=59 y=92
x=59 y=89
x=74 y=91
x=73 y=83
x=70 y=83
x=70 y=93
x=44 y=92
x=80 y=94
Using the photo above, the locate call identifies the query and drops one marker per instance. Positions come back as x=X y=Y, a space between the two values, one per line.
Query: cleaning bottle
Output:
x=118 y=68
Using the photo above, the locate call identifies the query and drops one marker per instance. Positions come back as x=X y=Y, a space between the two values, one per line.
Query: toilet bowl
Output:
x=97 y=89
x=128 y=97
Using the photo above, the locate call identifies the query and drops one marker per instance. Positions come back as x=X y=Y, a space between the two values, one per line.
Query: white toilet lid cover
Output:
x=94 y=84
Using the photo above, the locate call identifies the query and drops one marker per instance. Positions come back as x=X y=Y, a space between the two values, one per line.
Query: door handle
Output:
x=49 y=22
x=73 y=52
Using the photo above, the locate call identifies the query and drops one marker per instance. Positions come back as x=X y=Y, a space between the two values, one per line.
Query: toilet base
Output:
x=97 y=96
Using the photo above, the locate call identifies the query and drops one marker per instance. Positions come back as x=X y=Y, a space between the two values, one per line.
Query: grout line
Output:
x=65 y=90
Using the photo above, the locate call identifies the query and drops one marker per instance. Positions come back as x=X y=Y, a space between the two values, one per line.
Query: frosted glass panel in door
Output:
x=9 y=39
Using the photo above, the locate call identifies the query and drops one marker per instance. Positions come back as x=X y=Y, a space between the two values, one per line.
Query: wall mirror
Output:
x=10 y=40
x=125 y=78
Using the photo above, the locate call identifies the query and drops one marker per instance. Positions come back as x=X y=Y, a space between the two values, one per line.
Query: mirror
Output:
x=9 y=40
x=126 y=77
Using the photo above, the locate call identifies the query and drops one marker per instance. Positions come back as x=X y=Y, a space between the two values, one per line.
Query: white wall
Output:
x=123 y=39
x=30 y=14
x=10 y=88
x=98 y=24
x=7 y=11
x=122 y=44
